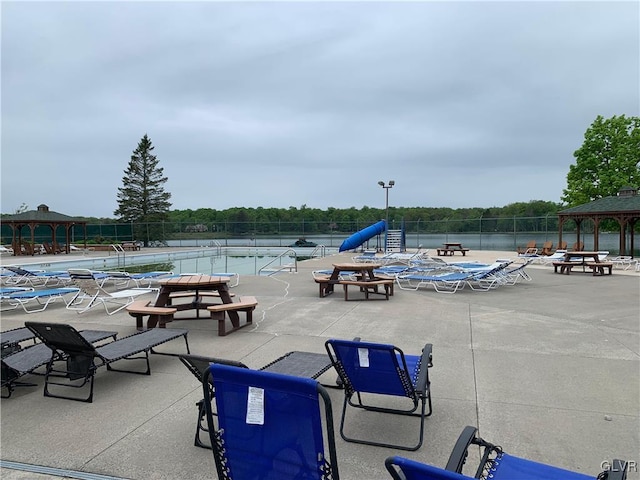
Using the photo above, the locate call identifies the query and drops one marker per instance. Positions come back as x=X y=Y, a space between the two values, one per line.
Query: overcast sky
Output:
x=279 y=104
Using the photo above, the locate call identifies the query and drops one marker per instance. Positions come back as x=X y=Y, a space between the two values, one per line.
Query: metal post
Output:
x=386 y=206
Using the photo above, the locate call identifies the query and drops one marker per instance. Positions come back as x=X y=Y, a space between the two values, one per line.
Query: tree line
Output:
x=608 y=160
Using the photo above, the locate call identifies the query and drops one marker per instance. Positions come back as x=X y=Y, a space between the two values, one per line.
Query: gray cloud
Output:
x=288 y=103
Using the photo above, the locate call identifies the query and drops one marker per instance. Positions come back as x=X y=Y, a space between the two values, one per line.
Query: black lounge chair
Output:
x=300 y=364
x=80 y=359
x=371 y=371
x=494 y=464
x=10 y=339
x=24 y=361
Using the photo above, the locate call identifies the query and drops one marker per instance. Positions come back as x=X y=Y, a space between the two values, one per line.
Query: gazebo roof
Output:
x=627 y=202
x=41 y=215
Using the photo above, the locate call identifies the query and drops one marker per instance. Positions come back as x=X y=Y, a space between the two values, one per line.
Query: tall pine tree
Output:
x=142 y=199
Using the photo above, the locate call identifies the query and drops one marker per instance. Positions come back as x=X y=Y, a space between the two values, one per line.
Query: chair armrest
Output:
x=422 y=382
x=459 y=453
x=427 y=354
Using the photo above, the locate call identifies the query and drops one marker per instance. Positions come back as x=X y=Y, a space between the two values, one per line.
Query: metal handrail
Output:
x=119 y=251
x=288 y=252
x=117 y=247
x=217 y=245
x=319 y=251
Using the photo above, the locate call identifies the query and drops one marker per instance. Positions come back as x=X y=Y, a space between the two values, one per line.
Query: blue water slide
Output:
x=358 y=238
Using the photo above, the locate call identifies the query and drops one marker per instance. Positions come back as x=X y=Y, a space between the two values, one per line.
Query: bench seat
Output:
x=193 y=294
x=157 y=315
x=369 y=287
x=600 y=267
x=245 y=304
x=450 y=251
x=565 y=267
x=323 y=283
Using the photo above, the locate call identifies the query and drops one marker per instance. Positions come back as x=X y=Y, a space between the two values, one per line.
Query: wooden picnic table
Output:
x=199 y=286
x=583 y=259
x=362 y=271
x=195 y=284
x=449 y=248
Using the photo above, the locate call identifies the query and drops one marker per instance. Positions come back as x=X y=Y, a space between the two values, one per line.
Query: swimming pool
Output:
x=208 y=261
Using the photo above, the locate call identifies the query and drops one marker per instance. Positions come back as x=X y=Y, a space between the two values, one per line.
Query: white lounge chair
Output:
x=124 y=279
x=91 y=294
x=557 y=256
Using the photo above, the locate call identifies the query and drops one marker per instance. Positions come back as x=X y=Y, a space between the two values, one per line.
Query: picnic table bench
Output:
x=581 y=259
x=246 y=305
x=600 y=267
x=368 y=287
x=449 y=248
x=157 y=315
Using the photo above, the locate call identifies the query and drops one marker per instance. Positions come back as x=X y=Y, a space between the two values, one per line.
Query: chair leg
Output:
x=422 y=416
x=86 y=377
x=200 y=427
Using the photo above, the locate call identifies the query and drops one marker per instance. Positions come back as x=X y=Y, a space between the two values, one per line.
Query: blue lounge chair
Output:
x=494 y=465
x=35 y=278
x=269 y=425
x=368 y=256
x=442 y=281
x=369 y=371
x=40 y=297
x=5 y=293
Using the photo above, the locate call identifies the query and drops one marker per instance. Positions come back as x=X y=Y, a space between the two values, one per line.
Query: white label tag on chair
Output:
x=255 y=406
x=363 y=357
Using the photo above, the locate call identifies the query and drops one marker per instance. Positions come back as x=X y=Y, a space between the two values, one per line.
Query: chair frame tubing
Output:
x=330 y=469
x=419 y=394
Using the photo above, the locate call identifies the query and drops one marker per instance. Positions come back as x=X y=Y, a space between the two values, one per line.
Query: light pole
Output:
x=386 y=189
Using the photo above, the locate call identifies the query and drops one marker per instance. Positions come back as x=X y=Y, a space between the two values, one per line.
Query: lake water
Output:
x=475 y=241
x=248 y=257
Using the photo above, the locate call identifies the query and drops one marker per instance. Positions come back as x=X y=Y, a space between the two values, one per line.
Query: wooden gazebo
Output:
x=24 y=244
x=624 y=208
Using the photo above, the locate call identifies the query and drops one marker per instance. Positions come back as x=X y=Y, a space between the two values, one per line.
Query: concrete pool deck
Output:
x=549 y=369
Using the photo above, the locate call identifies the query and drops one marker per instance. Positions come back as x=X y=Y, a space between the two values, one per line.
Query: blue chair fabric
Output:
x=495 y=464
x=269 y=425
x=370 y=369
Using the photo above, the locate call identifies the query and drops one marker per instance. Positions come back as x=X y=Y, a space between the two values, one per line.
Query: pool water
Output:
x=205 y=261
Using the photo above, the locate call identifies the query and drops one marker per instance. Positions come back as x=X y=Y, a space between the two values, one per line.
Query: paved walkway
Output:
x=549 y=369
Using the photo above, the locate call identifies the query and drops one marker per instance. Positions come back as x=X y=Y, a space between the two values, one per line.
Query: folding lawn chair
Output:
x=302 y=364
x=494 y=465
x=74 y=361
x=269 y=426
x=198 y=365
x=371 y=370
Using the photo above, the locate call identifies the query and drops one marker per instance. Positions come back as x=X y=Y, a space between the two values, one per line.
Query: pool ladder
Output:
x=270 y=269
